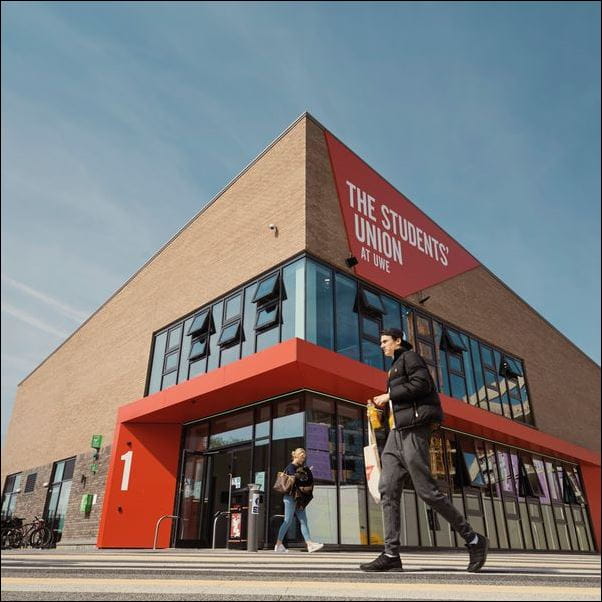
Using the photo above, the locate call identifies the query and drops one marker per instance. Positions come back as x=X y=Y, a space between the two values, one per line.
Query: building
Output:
x=255 y=331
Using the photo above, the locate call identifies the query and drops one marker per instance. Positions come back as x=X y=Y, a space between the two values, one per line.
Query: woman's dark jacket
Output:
x=412 y=391
x=303 y=488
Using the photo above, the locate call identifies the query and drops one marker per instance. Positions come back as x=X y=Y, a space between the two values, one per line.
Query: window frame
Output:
x=270 y=294
x=205 y=326
x=233 y=340
x=274 y=304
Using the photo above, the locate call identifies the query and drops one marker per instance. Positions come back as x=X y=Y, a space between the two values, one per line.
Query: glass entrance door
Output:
x=208 y=483
x=230 y=475
x=192 y=525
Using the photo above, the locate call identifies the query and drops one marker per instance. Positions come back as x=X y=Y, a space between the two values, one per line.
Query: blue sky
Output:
x=121 y=120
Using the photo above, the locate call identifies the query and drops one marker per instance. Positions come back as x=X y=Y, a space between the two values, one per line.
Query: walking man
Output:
x=414 y=407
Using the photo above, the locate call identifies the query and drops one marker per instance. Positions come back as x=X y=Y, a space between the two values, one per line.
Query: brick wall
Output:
x=77 y=390
x=79 y=527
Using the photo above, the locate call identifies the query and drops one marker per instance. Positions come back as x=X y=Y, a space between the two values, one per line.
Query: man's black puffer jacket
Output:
x=412 y=391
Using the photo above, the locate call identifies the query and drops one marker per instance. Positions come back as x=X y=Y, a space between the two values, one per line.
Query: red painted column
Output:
x=141 y=485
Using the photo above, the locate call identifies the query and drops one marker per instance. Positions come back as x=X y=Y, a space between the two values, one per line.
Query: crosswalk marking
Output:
x=291 y=589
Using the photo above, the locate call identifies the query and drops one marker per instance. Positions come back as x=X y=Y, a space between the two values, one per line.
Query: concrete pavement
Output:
x=239 y=575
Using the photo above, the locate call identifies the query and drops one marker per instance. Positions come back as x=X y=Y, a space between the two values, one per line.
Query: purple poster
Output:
x=319 y=463
x=317 y=436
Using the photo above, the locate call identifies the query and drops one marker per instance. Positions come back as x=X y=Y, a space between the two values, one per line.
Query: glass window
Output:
x=572 y=487
x=171 y=361
x=9 y=496
x=371 y=302
x=408 y=323
x=196 y=437
x=214 y=348
x=347 y=329
x=458 y=386
x=506 y=479
x=293 y=301
x=58 y=495
x=69 y=468
x=230 y=334
x=372 y=354
x=288 y=420
x=473 y=468
x=185 y=352
x=231 y=429
x=200 y=323
x=392 y=316
x=157 y=366
x=371 y=328
x=510 y=367
x=487 y=355
x=426 y=351
x=173 y=339
x=423 y=327
x=540 y=471
x=198 y=349
x=266 y=317
x=455 y=363
x=532 y=487
x=248 y=323
x=319 y=318
x=350 y=462
x=268 y=289
x=232 y=307
x=453 y=341
x=267 y=337
x=319 y=438
x=169 y=380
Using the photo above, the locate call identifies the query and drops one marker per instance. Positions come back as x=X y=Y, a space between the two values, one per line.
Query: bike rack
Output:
x=157 y=527
x=216 y=516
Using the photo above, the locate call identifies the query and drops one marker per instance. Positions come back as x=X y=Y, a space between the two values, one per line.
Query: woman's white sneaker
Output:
x=314 y=547
x=280 y=548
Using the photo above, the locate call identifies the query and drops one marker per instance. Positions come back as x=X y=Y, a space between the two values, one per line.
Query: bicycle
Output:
x=37 y=534
x=12 y=533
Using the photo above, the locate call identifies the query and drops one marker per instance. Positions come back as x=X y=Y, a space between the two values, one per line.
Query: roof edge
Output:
x=303 y=115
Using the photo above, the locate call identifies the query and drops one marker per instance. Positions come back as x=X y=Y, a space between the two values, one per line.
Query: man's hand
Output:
x=381 y=400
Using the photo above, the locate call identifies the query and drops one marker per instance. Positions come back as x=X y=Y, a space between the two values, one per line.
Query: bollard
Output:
x=255 y=496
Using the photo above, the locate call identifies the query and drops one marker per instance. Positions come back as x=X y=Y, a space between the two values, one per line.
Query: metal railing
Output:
x=157 y=527
x=216 y=516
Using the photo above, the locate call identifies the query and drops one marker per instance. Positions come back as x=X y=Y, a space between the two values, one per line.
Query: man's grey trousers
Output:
x=406 y=454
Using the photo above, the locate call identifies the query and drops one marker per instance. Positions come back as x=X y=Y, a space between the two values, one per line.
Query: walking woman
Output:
x=296 y=502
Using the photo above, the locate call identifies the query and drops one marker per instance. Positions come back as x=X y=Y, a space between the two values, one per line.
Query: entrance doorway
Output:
x=207 y=482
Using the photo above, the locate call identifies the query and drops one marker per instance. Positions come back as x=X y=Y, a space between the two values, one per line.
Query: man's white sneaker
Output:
x=314 y=547
x=280 y=548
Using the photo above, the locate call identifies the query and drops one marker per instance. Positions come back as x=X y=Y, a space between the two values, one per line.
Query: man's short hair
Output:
x=394 y=333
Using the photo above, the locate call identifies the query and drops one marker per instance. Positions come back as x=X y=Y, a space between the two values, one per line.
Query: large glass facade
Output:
x=519 y=500
x=57 y=497
x=12 y=487
x=311 y=300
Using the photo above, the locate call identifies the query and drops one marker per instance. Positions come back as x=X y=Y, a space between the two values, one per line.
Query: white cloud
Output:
x=74 y=314
x=33 y=321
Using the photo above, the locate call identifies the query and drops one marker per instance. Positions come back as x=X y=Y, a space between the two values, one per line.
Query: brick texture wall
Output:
x=79 y=527
x=77 y=390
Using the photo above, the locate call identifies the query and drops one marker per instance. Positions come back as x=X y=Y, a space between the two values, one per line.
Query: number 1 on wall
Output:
x=125 y=479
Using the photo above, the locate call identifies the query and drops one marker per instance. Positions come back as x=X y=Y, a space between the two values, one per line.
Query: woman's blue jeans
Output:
x=290 y=510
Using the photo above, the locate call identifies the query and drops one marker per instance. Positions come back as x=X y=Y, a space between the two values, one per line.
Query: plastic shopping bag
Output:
x=372 y=464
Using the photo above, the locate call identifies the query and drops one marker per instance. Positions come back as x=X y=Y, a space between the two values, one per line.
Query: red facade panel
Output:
x=152 y=427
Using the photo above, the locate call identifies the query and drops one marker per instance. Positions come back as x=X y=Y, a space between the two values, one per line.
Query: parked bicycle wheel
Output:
x=11 y=538
x=41 y=538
